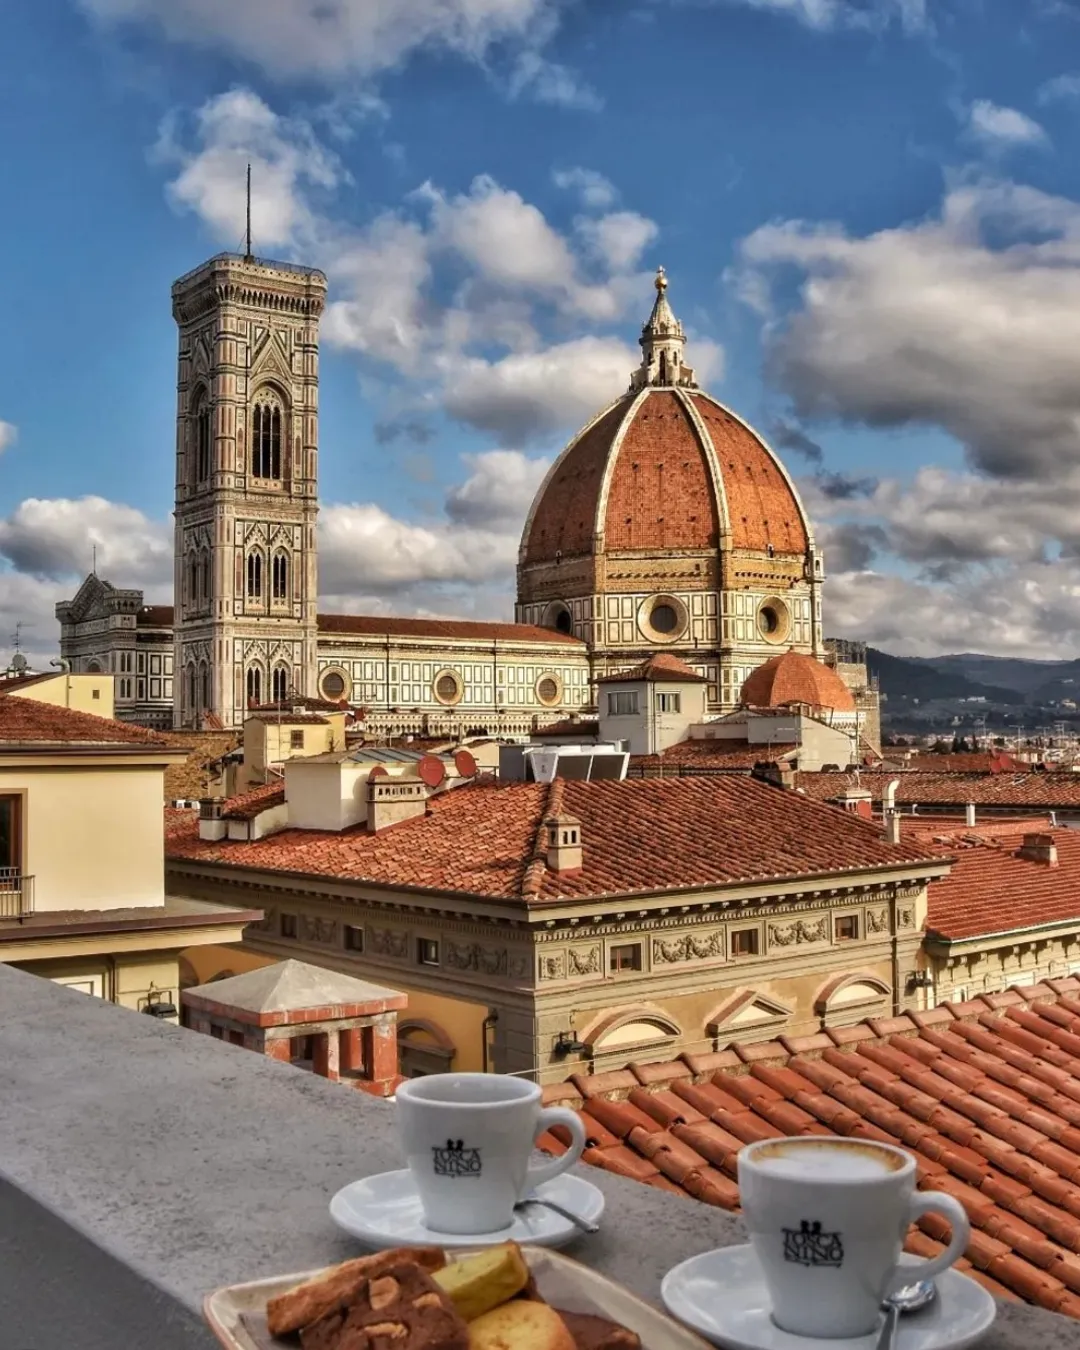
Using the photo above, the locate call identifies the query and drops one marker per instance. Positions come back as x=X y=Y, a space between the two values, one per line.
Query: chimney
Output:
x=392 y=800
x=969 y=815
x=859 y=802
x=892 y=827
x=781 y=775
x=1039 y=848
x=211 y=825
x=563 y=843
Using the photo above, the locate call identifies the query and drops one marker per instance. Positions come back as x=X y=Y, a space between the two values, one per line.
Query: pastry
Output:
x=482 y=1281
x=336 y=1286
x=597 y=1333
x=520 y=1325
x=400 y=1308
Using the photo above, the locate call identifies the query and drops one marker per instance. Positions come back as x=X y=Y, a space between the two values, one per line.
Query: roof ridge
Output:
x=536 y=867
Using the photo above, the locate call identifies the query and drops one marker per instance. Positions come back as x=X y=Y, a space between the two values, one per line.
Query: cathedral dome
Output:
x=793 y=677
x=665 y=468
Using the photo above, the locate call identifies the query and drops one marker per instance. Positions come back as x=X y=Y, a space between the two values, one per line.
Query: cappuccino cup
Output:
x=468 y=1140
x=827 y=1219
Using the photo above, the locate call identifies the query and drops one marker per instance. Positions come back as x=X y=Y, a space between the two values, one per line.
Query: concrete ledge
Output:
x=147 y=1164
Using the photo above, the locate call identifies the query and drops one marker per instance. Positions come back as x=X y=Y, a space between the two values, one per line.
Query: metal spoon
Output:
x=575 y=1219
x=908 y=1298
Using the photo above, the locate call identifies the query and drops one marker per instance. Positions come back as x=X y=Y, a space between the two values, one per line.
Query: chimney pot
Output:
x=892 y=827
x=211 y=825
x=969 y=815
x=1039 y=848
x=563 y=838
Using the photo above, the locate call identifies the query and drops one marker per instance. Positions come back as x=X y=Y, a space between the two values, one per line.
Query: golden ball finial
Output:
x=661 y=279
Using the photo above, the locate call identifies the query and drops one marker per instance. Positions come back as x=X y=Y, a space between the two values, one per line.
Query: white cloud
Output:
x=597 y=192
x=911 y=15
x=231 y=131
x=9 y=434
x=996 y=127
x=332 y=39
x=498 y=491
x=967 y=321
x=619 y=238
x=1062 y=88
x=530 y=393
x=548 y=82
x=52 y=538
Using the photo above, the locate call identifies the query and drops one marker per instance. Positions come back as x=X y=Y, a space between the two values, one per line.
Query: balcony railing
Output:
x=16 y=894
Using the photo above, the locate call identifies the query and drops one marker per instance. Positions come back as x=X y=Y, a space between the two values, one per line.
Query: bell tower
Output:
x=246 y=486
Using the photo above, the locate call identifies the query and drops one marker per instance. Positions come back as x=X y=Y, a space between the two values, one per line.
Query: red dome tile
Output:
x=793 y=677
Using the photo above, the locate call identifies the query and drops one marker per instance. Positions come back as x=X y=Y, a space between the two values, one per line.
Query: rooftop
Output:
x=985 y=1094
x=25 y=722
x=992 y=889
x=664 y=667
x=485 y=839
x=792 y=677
x=381 y=625
x=713 y=755
x=177 y=912
x=127 y=1194
x=293 y=987
x=1009 y=791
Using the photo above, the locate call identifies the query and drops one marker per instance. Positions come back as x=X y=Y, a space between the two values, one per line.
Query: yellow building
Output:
x=82 y=886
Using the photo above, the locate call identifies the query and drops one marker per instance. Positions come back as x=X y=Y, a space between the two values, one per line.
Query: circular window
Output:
x=448 y=687
x=772 y=620
x=333 y=684
x=549 y=689
x=663 y=618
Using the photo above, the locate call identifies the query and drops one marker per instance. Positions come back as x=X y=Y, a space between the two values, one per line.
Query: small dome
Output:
x=793 y=677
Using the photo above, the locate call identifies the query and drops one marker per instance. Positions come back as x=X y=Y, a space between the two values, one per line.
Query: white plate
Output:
x=722 y=1294
x=237 y=1314
x=385 y=1211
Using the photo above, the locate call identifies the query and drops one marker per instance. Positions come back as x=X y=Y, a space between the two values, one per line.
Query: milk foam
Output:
x=822 y=1161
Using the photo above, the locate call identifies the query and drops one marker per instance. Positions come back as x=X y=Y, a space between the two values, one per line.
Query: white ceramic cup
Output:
x=827 y=1219
x=468 y=1140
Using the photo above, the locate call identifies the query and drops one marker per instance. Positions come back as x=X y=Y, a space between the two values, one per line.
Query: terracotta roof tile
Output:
x=25 y=721
x=985 y=1105
x=793 y=677
x=1020 y=791
x=482 y=839
x=378 y=625
x=663 y=667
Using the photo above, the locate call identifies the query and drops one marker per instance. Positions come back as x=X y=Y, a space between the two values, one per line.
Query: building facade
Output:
x=667 y=525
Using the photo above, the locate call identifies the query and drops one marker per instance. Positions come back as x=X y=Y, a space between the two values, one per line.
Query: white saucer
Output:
x=722 y=1295
x=385 y=1211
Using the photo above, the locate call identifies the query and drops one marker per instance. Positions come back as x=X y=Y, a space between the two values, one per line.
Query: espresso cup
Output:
x=827 y=1219
x=469 y=1139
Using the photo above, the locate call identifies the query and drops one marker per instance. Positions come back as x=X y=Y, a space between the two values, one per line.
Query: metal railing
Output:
x=16 y=894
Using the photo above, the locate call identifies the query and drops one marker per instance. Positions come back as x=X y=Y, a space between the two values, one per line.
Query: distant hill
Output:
x=927 y=679
x=1027 y=677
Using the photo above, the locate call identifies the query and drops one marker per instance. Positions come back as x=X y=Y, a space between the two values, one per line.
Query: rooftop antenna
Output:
x=94 y=565
x=247 y=254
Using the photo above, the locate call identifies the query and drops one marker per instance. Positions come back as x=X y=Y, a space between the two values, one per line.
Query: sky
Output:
x=869 y=213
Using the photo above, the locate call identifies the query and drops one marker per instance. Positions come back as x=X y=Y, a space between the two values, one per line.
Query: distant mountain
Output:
x=1027 y=677
x=925 y=679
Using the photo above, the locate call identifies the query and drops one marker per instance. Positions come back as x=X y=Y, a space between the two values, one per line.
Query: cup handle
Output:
x=547 y=1171
x=936 y=1202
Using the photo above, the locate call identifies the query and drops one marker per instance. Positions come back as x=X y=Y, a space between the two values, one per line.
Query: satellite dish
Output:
x=465 y=763
x=19 y=663
x=431 y=771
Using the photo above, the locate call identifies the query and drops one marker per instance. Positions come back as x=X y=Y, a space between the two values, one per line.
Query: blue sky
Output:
x=869 y=211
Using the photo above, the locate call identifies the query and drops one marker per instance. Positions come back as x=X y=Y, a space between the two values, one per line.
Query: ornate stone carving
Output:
x=689 y=947
x=905 y=916
x=877 y=920
x=317 y=929
x=485 y=960
x=800 y=931
x=553 y=967
x=585 y=961
x=268 y=923
x=390 y=942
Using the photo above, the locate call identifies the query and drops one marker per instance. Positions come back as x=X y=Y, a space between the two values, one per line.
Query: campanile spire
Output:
x=663 y=344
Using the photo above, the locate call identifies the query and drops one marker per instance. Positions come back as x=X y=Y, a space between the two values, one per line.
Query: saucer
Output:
x=722 y=1295
x=385 y=1211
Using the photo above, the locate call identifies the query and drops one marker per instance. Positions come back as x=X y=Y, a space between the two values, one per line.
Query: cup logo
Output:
x=455 y=1160
x=807 y=1245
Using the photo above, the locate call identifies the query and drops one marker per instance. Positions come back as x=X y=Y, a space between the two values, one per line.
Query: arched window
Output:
x=254 y=576
x=266 y=439
x=204 y=681
x=281 y=576
x=280 y=684
x=204 y=577
x=202 y=439
x=192 y=690
x=191 y=579
x=254 y=685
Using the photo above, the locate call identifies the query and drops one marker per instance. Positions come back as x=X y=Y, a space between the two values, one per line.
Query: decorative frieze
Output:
x=877 y=921
x=267 y=924
x=318 y=929
x=802 y=930
x=485 y=960
x=552 y=967
x=584 y=960
x=905 y=916
x=389 y=942
x=688 y=947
